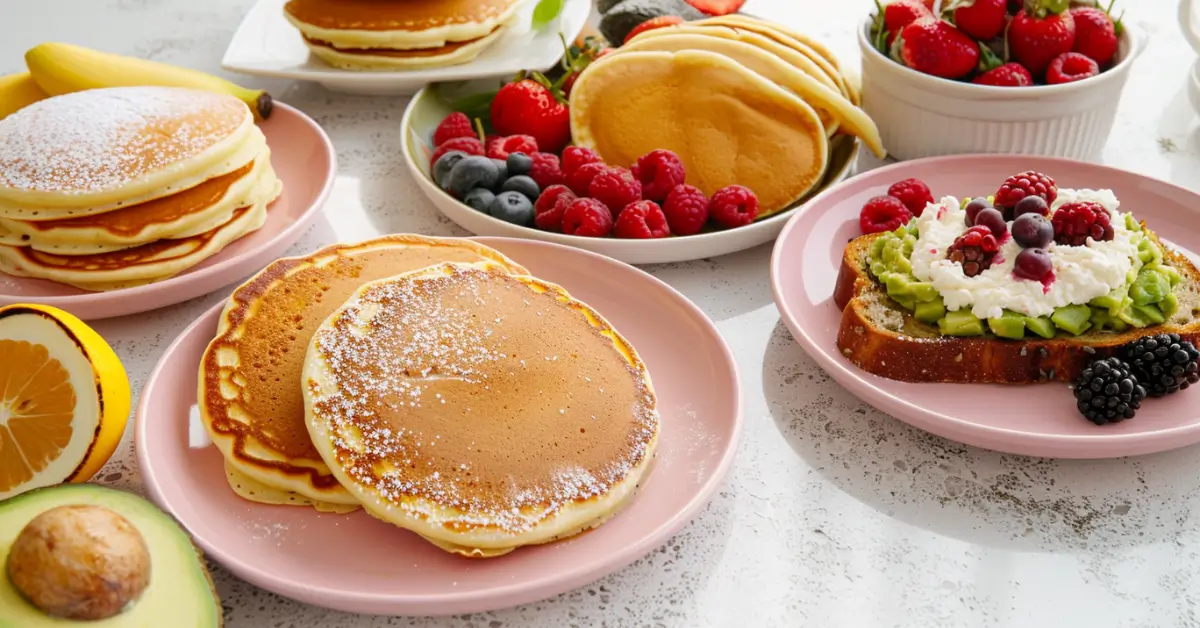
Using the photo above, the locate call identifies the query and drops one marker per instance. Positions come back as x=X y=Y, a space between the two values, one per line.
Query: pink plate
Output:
x=1036 y=420
x=356 y=563
x=304 y=161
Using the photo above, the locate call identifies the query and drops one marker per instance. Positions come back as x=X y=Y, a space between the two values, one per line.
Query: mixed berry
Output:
x=1112 y=389
x=1003 y=43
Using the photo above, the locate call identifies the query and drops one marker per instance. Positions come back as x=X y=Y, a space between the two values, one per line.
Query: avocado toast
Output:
x=930 y=302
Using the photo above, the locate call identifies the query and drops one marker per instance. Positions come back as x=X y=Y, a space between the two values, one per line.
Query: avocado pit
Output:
x=79 y=562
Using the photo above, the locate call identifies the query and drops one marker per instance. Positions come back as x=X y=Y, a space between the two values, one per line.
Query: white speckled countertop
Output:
x=834 y=514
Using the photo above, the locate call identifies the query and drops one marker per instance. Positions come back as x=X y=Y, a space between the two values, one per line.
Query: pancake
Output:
x=96 y=150
x=727 y=124
x=131 y=267
x=802 y=43
x=452 y=53
x=834 y=108
x=187 y=213
x=480 y=409
x=249 y=390
x=398 y=24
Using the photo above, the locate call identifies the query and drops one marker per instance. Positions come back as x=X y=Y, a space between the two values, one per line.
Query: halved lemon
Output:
x=64 y=399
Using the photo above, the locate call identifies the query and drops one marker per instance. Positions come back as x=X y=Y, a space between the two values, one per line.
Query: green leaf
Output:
x=546 y=11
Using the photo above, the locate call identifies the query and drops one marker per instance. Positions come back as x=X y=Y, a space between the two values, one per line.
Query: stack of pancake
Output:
x=742 y=101
x=112 y=188
x=433 y=382
x=399 y=34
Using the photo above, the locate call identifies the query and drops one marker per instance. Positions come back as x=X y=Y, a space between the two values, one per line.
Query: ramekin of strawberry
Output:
x=1017 y=76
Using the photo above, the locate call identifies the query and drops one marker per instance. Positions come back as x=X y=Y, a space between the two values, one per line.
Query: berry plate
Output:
x=426 y=111
x=1034 y=420
x=266 y=44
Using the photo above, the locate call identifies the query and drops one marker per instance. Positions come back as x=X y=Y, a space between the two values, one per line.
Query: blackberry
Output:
x=1107 y=391
x=1164 y=364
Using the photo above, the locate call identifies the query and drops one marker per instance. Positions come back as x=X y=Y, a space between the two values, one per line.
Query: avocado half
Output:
x=180 y=594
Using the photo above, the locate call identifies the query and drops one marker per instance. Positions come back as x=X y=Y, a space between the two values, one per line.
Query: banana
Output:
x=17 y=91
x=64 y=68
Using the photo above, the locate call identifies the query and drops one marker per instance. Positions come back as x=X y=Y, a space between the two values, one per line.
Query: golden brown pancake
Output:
x=479 y=408
x=92 y=151
x=249 y=391
x=395 y=15
x=439 y=51
x=729 y=125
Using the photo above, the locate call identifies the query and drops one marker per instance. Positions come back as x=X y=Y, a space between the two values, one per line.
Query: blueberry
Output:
x=479 y=199
x=519 y=163
x=502 y=167
x=442 y=166
x=512 y=207
x=469 y=173
x=524 y=185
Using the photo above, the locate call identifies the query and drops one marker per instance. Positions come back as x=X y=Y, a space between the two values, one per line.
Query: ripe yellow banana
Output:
x=17 y=91
x=64 y=68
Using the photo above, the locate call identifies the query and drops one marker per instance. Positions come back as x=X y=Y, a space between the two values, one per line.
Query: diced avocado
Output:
x=1172 y=275
x=1100 y=317
x=1009 y=325
x=876 y=253
x=1040 y=325
x=905 y=301
x=1135 y=316
x=1169 y=305
x=930 y=311
x=1150 y=286
x=897 y=284
x=1112 y=302
x=1131 y=223
x=1149 y=252
x=960 y=323
x=1073 y=319
x=1150 y=312
x=179 y=594
x=923 y=291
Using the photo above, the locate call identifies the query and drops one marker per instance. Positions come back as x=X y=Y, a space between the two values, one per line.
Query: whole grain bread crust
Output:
x=878 y=336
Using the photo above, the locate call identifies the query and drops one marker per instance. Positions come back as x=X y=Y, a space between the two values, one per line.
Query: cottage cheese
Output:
x=1082 y=273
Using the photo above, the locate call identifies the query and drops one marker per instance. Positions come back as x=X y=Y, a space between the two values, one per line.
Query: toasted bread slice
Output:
x=881 y=337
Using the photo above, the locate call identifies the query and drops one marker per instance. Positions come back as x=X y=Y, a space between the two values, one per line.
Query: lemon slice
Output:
x=64 y=399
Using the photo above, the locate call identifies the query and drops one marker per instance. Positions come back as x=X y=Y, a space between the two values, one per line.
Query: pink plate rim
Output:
x=224 y=267
x=965 y=431
x=505 y=596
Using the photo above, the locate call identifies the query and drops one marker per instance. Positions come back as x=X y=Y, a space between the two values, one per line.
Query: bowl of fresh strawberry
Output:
x=1040 y=77
x=497 y=158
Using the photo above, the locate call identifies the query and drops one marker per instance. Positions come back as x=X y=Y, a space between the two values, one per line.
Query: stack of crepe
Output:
x=112 y=188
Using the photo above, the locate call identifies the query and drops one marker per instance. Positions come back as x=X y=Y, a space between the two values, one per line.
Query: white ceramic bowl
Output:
x=1194 y=86
x=426 y=111
x=920 y=115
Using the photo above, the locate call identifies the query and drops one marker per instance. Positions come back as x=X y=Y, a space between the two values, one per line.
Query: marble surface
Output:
x=834 y=514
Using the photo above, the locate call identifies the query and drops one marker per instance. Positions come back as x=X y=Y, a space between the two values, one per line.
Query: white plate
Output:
x=267 y=45
x=426 y=110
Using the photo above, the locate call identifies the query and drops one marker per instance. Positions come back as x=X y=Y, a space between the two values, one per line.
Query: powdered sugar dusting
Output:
x=101 y=139
x=462 y=341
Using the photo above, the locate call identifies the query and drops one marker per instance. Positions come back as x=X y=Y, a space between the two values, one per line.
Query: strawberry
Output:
x=1036 y=36
x=938 y=48
x=1007 y=75
x=661 y=21
x=717 y=7
x=1095 y=34
x=532 y=106
x=901 y=13
x=982 y=19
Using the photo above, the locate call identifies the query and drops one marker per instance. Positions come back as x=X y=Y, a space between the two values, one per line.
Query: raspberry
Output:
x=575 y=156
x=545 y=171
x=1025 y=184
x=659 y=171
x=581 y=179
x=616 y=188
x=641 y=220
x=1070 y=67
x=883 y=213
x=455 y=125
x=549 y=208
x=1074 y=223
x=587 y=217
x=975 y=250
x=468 y=145
x=500 y=148
x=733 y=206
x=913 y=193
x=686 y=209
